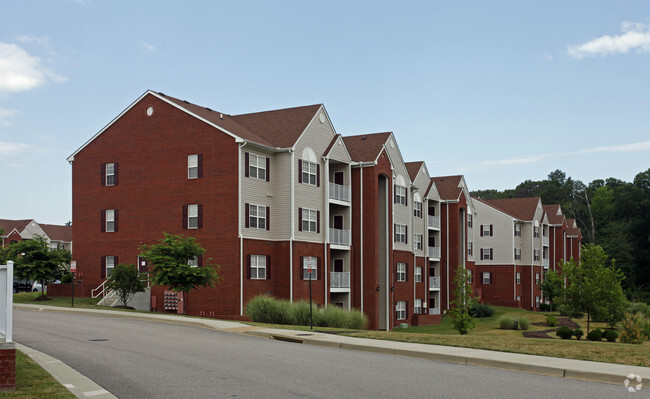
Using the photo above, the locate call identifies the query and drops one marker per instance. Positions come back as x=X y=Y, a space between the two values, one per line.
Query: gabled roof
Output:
x=519 y=208
x=449 y=187
x=11 y=225
x=572 y=228
x=413 y=169
x=330 y=147
x=57 y=232
x=366 y=147
x=554 y=212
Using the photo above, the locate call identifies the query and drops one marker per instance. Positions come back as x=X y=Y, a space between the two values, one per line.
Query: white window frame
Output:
x=257 y=166
x=309 y=173
x=486 y=278
x=309 y=220
x=110 y=220
x=400 y=310
x=258 y=267
x=194 y=262
x=486 y=253
x=536 y=231
x=536 y=278
x=518 y=277
x=417 y=209
x=536 y=254
x=470 y=276
x=401 y=272
x=517 y=253
x=110 y=174
x=469 y=220
x=517 y=230
x=193 y=166
x=400 y=233
x=418 y=274
x=314 y=268
x=417 y=241
x=110 y=265
x=469 y=248
x=536 y=301
x=256 y=216
x=193 y=216
x=417 y=308
x=400 y=195
x=486 y=230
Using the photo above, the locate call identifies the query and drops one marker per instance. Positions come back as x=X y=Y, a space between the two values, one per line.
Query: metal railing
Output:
x=434 y=311
x=434 y=252
x=339 y=237
x=339 y=279
x=545 y=263
x=544 y=240
x=434 y=282
x=433 y=221
x=101 y=290
x=339 y=192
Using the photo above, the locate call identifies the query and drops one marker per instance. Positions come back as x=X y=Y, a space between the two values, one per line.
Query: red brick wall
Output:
x=7 y=367
x=501 y=289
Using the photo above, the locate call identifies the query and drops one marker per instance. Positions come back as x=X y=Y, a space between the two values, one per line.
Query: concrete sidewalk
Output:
x=556 y=367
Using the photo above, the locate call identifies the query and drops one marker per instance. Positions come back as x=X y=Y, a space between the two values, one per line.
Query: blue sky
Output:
x=499 y=91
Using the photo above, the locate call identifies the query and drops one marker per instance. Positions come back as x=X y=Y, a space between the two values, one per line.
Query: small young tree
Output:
x=461 y=319
x=551 y=286
x=35 y=261
x=126 y=281
x=170 y=264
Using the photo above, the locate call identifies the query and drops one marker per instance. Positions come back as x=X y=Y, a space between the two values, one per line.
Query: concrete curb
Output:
x=543 y=365
x=77 y=383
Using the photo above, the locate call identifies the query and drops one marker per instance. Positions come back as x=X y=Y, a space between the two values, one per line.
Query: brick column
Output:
x=7 y=366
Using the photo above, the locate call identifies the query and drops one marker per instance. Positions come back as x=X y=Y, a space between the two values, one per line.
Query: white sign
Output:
x=73 y=266
x=309 y=264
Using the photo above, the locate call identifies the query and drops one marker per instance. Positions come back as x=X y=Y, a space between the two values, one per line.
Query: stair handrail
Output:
x=99 y=291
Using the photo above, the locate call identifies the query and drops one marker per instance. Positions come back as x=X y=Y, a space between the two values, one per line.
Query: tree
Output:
x=126 y=281
x=594 y=287
x=35 y=261
x=461 y=320
x=551 y=286
x=170 y=264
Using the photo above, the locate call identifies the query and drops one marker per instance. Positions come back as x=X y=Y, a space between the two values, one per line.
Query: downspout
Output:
x=293 y=222
x=241 y=237
x=447 y=260
x=514 y=265
x=327 y=228
x=361 y=228
x=390 y=220
x=532 y=261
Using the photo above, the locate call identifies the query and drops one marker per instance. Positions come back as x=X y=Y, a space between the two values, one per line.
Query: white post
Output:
x=9 y=302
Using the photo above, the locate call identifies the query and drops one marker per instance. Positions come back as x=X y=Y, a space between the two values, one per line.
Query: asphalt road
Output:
x=139 y=359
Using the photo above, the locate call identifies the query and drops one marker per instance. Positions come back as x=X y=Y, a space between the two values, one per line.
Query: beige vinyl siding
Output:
x=258 y=192
x=500 y=241
x=318 y=137
x=281 y=181
x=338 y=151
x=421 y=183
x=401 y=214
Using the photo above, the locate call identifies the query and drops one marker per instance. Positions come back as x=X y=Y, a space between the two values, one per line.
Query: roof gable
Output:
x=413 y=169
x=366 y=147
x=519 y=208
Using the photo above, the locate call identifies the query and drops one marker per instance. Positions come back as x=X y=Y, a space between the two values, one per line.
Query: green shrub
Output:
x=299 y=313
x=544 y=307
x=564 y=332
x=551 y=321
x=506 y=323
x=333 y=316
x=595 y=335
x=523 y=322
x=266 y=309
x=639 y=307
x=67 y=278
x=610 y=335
x=480 y=310
x=357 y=320
x=578 y=333
x=634 y=330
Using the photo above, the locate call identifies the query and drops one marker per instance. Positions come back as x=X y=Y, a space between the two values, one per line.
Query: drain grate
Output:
x=98 y=340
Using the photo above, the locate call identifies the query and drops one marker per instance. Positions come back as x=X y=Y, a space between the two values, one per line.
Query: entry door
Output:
x=338 y=265
x=338 y=222
x=338 y=178
x=432 y=241
x=143 y=265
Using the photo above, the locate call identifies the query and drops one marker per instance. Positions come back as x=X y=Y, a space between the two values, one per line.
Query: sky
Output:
x=499 y=91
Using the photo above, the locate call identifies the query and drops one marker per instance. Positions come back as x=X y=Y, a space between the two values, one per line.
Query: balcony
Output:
x=433 y=221
x=545 y=240
x=434 y=252
x=339 y=279
x=545 y=263
x=434 y=311
x=434 y=282
x=340 y=237
x=339 y=192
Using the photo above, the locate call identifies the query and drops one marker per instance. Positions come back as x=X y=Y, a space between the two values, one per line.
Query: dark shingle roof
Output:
x=519 y=208
x=552 y=212
x=57 y=232
x=366 y=147
x=413 y=169
x=448 y=186
x=9 y=225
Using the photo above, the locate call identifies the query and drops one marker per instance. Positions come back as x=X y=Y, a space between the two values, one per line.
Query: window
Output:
x=470 y=276
x=400 y=195
x=544 y=231
x=486 y=230
x=401 y=272
x=536 y=231
x=109 y=174
x=417 y=209
x=194 y=166
x=418 y=241
x=469 y=220
x=469 y=248
x=418 y=274
x=517 y=254
x=257 y=267
x=110 y=265
x=518 y=278
x=194 y=262
x=536 y=301
x=314 y=263
x=417 y=309
x=192 y=216
x=486 y=254
x=400 y=310
x=518 y=298
x=517 y=230
x=257 y=166
x=536 y=278
x=309 y=220
x=487 y=278
x=109 y=220
x=308 y=173
x=256 y=216
x=536 y=254
x=400 y=233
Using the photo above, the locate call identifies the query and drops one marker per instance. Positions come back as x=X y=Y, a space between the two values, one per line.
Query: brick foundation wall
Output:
x=7 y=366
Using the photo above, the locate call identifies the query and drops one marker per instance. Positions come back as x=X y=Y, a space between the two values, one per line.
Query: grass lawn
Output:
x=34 y=382
x=32 y=299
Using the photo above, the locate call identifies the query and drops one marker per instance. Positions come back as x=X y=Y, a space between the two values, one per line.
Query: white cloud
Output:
x=148 y=47
x=20 y=71
x=14 y=148
x=6 y=114
x=635 y=36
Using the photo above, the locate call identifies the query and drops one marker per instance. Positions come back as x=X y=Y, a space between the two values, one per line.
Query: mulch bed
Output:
x=562 y=321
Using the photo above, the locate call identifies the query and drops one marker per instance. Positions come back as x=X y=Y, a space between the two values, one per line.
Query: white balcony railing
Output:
x=545 y=240
x=434 y=252
x=339 y=279
x=433 y=311
x=433 y=221
x=434 y=282
x=339 y=192
x=545 y=263
x=339 y=237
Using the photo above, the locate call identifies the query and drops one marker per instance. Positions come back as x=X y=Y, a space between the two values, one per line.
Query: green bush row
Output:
x=509 y=323
x=266 y=309
x=480 y=310
x=567 y=333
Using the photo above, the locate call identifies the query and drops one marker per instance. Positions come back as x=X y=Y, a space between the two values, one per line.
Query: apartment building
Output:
x=56 y=236
x=510 y=245
x=557 y=233
x=574 y=240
